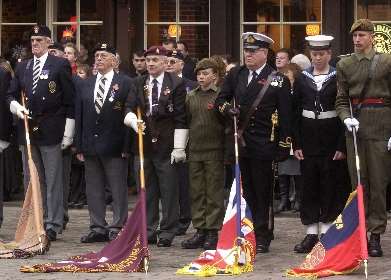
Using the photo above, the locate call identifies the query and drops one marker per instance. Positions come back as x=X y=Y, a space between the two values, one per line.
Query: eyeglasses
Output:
x=171 y=61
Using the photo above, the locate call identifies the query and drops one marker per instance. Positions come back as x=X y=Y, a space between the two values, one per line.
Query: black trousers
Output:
x=257 y=176
x=325 y=189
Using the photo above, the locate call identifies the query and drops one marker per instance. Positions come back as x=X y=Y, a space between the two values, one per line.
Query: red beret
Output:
x=156 y=50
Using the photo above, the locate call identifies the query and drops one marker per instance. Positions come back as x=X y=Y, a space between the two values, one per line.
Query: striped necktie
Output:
x=36 y=70
x=100 y=93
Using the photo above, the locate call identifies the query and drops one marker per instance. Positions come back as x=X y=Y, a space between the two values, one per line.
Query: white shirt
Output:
x=42 y=61
x=258 y=71
x=109 y=77
x=159 y=88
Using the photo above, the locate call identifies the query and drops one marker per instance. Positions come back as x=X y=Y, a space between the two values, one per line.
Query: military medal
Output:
x=52 y=86
x=170 y=108
x=166 y=91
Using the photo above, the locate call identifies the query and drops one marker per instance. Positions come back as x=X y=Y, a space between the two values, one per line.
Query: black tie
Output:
x=254 y=78
x=155 y=97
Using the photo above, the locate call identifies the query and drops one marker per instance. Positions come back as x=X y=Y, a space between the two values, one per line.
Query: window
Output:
x=16 y=21
x=379 y=11
x=186 y=20
x=287 y=22
x=77 y=21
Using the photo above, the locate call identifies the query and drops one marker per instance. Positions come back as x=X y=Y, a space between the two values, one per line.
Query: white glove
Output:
x=178 y=154
x=389 y=144
x=69 y=132
x=132 y=121
x=18 y=109
x=3 y=145
x=350 y=123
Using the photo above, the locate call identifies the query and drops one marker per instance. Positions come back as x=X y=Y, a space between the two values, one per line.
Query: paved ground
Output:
x=165 y=262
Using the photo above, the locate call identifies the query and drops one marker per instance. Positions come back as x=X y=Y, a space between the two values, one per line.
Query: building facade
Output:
x=207 y=26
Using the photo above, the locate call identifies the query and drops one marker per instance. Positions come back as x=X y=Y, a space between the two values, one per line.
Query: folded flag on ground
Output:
x=228 y=258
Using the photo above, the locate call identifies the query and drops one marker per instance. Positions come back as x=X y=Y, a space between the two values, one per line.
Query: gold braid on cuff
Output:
x=285 y=144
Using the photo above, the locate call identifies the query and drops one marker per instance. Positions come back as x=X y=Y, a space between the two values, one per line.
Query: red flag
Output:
x=343 y=248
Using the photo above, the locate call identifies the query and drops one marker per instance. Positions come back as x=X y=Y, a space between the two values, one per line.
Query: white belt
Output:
x=322 y=115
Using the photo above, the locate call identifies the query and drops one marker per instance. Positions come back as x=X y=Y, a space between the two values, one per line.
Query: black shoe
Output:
x=296 y=207
x=94 y=236
x=78 y=205
x=263 y=246
x=71 y=205
x=211 y=240
x=374 y=248
x=283 y=206
x=51 y=234
x=307 y=244
x=113 y=235
x=197 y=241
x=152 y=240
x=182 y=228
x=65 y=222
x=163 y=242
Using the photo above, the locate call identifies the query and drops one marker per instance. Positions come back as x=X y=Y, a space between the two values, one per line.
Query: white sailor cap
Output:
x=252 y=40
x=319 y=42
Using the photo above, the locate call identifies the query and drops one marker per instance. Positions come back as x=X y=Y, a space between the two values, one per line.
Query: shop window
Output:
x=287 y=22
x=66 y=28
x=16 y=21
x=185 y=20
x=376 y=10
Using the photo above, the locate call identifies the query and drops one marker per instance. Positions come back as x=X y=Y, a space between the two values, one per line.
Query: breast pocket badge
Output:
x=52 y=86
x=117 y=105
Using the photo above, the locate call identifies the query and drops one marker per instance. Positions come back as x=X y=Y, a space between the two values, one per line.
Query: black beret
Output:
x=56 y=46
x=105 y=47
x=41 y=30
x=176 y=54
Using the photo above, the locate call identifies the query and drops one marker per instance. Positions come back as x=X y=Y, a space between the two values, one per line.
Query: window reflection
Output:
x=261 y=10
x=161 y=10
x=378 y=10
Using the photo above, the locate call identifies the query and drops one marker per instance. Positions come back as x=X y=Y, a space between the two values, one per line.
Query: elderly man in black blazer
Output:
x=102 y=143
x=161 y=98
x=47 y=83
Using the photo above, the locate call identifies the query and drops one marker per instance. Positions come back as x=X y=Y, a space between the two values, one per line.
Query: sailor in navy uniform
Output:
x=265 y=140
x=47 y=83
x=319 y=144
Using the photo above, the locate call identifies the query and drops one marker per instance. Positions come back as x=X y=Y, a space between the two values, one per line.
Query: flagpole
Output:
x=33 y=180
x=360 y=200
x=238 y=188
x=142 y=185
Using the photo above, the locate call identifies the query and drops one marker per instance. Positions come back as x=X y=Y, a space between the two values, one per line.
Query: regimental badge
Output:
x=210 y=105
x=146 y=91
x=166 y=91
x=338 y=222
x=104 y=46
x=250 y=39
x=170 y=108
x=36 y=29
x=277 y=82
x=52 y=86
x=115 y=87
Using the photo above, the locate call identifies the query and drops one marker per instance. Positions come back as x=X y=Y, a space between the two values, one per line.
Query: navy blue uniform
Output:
x=52 y=102
x=261 y=148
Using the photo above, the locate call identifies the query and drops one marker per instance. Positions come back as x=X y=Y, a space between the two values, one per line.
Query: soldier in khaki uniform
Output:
x=371 y=100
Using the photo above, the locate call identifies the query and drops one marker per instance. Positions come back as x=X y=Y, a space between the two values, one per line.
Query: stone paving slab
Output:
x=164 y=262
